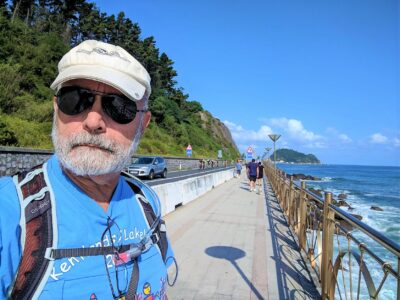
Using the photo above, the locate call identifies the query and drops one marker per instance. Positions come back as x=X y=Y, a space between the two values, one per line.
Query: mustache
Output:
x=83 y=139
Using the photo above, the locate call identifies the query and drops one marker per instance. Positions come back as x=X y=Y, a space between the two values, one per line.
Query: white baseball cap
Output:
x=105 y=63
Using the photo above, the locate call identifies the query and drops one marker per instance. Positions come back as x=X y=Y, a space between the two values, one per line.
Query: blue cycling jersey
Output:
x=83 y=223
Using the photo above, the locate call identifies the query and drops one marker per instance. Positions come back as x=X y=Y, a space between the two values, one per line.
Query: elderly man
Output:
x=74 y=228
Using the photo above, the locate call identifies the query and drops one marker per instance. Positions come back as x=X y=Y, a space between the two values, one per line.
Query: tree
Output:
x=10 y=79
x=7 y=137
x=166 y=73
x=35 y=34
x=22 y=9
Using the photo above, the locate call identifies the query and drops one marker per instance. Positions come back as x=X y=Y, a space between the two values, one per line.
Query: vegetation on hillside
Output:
x=291 y=156
x=35 y=34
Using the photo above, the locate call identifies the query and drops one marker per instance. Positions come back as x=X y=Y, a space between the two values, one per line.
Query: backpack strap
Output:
x=143 y=193
x=38 y=232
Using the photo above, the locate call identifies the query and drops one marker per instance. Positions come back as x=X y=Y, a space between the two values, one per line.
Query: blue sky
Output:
x=323 y=74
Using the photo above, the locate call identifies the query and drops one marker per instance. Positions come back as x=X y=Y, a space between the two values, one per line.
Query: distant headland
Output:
x=292 y=156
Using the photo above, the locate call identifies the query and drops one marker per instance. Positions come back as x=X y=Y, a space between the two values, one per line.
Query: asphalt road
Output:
x=180 y=175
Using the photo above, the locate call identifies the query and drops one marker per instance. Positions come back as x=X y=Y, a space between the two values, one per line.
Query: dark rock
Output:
x=345 y=224
x=301 y=176
x=342 y=203
x=377 y=208
x=315 y=191
x=339 y=218
x=342 y=196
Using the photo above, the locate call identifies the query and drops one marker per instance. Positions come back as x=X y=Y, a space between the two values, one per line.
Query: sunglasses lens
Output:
x=122 y=110
x=73 y=100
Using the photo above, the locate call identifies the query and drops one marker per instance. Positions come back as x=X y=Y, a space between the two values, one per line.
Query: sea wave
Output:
x=366 y=187
x=346 y=180
x=375 y=195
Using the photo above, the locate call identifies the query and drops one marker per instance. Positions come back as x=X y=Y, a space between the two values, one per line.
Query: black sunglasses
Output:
x=72 y=100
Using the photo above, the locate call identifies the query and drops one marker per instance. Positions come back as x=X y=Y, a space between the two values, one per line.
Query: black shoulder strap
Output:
x=160 y=235
x=37 y=232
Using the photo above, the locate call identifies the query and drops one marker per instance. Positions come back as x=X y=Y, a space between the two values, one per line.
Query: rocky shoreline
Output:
x=339 y=200
x=300 y=176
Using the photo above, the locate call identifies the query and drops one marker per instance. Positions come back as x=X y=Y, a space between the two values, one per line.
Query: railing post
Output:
x=398 y=278
x=284 y=196
x=289 y=201
x=283 y=191
x=327 y=246
x=303 y=217
x=279 y=186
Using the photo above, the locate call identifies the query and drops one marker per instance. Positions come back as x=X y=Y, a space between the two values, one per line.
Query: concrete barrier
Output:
x=175 y=194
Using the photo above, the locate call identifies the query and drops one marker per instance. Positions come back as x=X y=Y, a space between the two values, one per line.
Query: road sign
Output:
x=249 y=153
x=219 y=153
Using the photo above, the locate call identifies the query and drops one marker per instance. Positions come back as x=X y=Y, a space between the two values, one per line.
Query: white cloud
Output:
x=295 y=129
x=294 y=135
x=240 y=134
x=396 y=142
x=378 y=138
x=344 y=138
x=295 y=132
x=336 y=138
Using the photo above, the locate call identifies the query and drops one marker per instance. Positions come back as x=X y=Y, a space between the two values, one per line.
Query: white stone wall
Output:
x=182 y=192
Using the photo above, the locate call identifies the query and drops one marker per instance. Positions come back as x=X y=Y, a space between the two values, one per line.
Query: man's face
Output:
x=91 y=143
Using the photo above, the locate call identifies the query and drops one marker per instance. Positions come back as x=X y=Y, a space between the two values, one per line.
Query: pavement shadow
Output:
x=285 y=249
x=232 y=254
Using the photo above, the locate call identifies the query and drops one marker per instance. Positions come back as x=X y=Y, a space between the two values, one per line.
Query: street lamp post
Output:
x=267 y=150
x=274 y=138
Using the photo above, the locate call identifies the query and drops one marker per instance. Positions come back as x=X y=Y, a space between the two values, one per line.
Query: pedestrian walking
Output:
x=260 y=177
x=238 y=167
x=252 y=169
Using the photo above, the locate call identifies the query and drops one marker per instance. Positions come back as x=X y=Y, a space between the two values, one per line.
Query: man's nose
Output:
x=94 y=119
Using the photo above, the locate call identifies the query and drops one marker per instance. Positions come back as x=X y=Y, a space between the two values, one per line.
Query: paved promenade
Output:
x=235 y=244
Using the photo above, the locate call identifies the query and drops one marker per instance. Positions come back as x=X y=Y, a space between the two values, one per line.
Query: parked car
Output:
x=148 y=166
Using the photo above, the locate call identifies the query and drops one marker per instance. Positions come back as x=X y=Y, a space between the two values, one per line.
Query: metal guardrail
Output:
x=339 y=247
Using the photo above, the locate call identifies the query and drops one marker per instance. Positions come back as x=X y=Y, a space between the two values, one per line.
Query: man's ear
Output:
x=55 y=107
x=146 y=120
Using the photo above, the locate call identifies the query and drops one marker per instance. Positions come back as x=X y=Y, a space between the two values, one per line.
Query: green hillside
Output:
x=291 y=156
x=34 y=35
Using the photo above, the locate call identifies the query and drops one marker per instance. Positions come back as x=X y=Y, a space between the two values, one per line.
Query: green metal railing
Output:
x=339 y=247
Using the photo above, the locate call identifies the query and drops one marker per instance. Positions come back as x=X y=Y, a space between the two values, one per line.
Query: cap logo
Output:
x=102 y=51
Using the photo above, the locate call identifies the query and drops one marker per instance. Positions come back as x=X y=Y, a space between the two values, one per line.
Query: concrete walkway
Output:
x=235 y=244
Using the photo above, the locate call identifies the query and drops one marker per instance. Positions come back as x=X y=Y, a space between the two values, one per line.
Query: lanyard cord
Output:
x=110 y=222
x=144 y=247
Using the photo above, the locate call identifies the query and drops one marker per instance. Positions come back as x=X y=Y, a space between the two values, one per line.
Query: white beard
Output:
x=85 y=161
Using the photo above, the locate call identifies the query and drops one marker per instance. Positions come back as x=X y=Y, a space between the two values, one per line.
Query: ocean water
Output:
x=365 y=186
